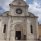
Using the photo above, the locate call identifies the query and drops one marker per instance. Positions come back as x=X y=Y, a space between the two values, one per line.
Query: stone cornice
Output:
x=20 y=16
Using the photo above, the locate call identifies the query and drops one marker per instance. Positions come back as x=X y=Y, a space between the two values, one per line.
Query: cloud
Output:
x=36 y=9
x=24 y=0
x=5 y=4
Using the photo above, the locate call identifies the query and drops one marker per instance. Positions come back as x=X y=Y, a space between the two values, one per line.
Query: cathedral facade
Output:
x=18 y=24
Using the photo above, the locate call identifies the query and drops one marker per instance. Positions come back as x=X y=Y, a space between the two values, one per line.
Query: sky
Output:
x=34 y=7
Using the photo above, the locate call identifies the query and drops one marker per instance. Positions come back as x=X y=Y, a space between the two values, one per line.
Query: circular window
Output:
x=18 y=11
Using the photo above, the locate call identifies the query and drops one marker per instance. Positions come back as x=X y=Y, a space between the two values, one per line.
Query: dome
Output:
x=18 y=3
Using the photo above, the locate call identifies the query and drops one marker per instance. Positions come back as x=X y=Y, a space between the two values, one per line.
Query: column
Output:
x=8 y=30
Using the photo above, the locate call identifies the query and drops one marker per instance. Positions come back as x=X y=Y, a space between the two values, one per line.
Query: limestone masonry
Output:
x=18 y=24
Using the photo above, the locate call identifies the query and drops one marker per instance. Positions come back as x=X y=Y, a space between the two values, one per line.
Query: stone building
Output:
x=18 y=24
x=39 y=29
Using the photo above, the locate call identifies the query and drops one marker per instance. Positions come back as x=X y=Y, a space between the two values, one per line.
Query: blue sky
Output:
x=29 y=1
x=34 y=7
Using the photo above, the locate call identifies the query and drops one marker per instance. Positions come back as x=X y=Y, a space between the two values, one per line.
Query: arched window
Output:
x=4 y=30
x=31 y=29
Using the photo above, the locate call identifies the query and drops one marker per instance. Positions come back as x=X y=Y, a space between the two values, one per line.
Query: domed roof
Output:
x=18 y=3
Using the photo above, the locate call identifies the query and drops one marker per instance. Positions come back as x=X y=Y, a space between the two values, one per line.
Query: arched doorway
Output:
x=20 y=31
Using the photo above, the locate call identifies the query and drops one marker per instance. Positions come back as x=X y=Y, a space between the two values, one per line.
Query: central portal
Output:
x=20 y=31
x=18 y=35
